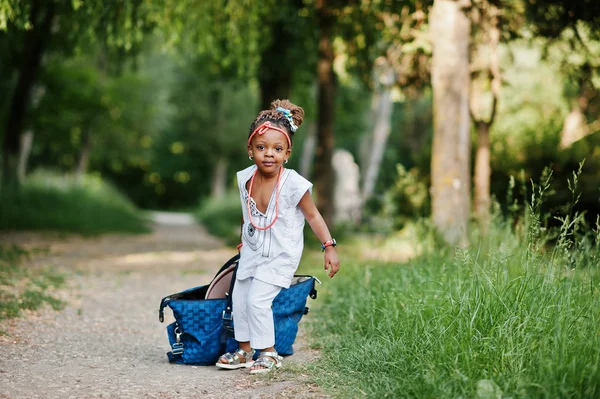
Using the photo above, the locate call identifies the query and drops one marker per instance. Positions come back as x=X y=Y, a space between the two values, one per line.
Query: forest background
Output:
x=156 y=98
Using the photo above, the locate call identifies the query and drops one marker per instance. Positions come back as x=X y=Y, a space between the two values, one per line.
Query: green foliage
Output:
x=72 y=104
x=513 y=316
x=11 y=11
x=163 y=109
x=139 y=116
x=222 y=217
x=119 y=28
x=407 y=200
x=524 y=141
x=551 y=17
x=352 y=121
x=230 y=33
x=209 y=124
x=539 y=151
x=25 y=288
x=50 y=202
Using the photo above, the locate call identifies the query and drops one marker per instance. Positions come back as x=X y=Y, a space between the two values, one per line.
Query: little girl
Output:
x=275 y=203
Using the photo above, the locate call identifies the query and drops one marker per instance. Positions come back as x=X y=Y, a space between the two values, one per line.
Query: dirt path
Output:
x=108 y=342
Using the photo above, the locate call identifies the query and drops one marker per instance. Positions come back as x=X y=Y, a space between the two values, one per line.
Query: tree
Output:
x=407 y=52
x=450 y=177
x=361 y=28
x=41 y=17
x=288 y=49
x=73 y=105
x=325 y=113
x=382 y=110
x=487 y=38
x=572 y=27
x=580 y=88
x=41 y=26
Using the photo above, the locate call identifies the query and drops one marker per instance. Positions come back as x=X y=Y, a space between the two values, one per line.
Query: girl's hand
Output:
x=331 y=261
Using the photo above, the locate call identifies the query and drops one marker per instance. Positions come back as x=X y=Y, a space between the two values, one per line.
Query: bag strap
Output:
x=165 y=301
x=177 y=346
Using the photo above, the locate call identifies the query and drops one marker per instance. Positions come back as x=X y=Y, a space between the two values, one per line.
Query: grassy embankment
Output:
x=516 y=315
x=59 y=203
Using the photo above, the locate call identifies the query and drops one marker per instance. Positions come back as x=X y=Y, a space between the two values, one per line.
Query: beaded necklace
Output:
x=276 y=200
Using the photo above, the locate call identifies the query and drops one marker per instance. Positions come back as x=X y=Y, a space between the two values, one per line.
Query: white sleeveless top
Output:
x=273 y=255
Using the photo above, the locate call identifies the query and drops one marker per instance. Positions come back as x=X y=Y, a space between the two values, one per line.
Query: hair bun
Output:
x=296 y=111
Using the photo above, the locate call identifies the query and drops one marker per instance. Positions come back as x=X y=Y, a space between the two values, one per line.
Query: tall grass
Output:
x=513 y=316
x=60 y=203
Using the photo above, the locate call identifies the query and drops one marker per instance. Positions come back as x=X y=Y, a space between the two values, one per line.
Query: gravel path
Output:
x=108 y=342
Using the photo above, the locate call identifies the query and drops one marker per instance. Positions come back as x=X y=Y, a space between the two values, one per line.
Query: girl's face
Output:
x=269 y=150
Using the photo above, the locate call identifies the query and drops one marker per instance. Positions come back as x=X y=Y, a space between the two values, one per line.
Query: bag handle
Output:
x=227 y=330
x=161 y=309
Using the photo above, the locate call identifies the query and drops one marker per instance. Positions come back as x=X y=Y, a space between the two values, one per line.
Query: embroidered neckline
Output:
x=253 y=208
x=250 y=201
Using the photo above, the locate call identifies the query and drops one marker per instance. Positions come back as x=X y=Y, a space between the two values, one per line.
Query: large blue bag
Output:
x=203 y=328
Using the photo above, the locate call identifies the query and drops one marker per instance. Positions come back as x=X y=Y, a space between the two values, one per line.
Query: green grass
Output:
x=59 y=203
x=514 y=316
x=24 y=288
x=438 y=327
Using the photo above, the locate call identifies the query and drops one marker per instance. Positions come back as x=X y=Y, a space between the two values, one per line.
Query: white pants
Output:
x=252 y=312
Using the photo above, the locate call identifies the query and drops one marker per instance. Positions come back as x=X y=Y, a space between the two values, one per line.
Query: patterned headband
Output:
x=262 y=129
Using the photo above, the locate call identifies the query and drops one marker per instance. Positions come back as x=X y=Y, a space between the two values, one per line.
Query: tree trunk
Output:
x=275 y=80
x=219 y=179
x=326 y=107
x=483 y=172
x=219 y=172
x=35 y=43
x=483 y=169
x=277 y=64
x=24 y=152
x=84 y=154
x=450 y=181
x=308 y=151
x=381 y=132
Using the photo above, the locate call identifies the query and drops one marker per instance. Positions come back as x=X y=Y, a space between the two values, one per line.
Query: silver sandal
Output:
x=233 y=360
x=269 y=360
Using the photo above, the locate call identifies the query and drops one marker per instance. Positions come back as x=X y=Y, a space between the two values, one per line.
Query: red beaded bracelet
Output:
x=330 y=243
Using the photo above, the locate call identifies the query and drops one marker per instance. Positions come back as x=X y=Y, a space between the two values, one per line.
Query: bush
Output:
x=222 y=217
x=47 y=201
x=405 y=201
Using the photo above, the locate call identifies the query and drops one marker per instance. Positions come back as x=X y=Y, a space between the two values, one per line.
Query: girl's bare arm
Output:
x=319 y=227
